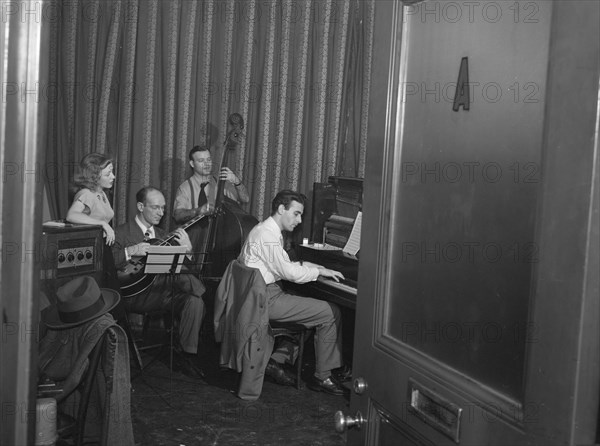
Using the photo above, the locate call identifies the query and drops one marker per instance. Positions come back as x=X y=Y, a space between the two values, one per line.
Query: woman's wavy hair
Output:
x=90 y=170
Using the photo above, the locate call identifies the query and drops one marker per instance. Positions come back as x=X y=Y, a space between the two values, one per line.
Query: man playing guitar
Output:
x=132 y=240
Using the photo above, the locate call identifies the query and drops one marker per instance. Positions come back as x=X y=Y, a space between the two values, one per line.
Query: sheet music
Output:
x=353 y=244
x=160 y=259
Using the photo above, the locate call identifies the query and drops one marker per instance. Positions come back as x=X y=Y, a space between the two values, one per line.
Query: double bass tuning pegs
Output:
x=235 y=134
x=236 y=120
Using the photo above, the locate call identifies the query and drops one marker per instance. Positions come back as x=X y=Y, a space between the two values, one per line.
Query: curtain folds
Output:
x=146 y=80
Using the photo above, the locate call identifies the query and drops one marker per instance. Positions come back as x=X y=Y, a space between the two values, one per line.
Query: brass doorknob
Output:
x=343 y=422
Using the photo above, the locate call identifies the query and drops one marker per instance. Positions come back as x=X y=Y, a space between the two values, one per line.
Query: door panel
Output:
x=22 y=140
x=478 y=290
x=464 y=199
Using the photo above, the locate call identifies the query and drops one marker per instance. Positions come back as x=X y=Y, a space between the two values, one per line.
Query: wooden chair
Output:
x=167 y=342
x=297 y=334
x=141 y=340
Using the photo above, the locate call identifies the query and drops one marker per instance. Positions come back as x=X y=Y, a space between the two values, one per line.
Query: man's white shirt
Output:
x=264 y=250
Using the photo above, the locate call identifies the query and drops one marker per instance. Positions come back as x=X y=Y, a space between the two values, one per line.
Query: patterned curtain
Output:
x=146 y=80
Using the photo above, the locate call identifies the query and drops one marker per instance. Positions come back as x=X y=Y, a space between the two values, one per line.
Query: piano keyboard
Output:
x=347 y=285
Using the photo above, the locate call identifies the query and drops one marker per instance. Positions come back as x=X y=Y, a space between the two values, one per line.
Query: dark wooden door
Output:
x=477 y=313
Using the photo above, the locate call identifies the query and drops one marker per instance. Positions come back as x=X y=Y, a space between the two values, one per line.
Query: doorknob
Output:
x=360 y=385
x=343 y=422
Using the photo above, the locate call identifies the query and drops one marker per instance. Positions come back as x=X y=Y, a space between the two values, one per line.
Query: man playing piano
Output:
x=264 y=250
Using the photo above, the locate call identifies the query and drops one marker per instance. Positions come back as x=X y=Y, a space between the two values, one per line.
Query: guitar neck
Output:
x=184 y=226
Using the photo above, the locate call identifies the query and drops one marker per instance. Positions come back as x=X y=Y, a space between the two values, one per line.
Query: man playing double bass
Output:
x=197 y=196
x=198 y=193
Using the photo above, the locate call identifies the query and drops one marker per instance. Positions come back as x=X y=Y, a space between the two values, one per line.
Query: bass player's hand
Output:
x=228 y=175
x=206 y=209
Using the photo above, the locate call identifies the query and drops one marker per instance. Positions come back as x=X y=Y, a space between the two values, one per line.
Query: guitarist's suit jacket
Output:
x=188 y=289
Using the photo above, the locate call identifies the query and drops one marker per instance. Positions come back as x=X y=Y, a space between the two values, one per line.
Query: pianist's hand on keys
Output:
x=332 y=274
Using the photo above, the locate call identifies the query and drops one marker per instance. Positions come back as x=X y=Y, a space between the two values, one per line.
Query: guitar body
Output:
x=132 y=279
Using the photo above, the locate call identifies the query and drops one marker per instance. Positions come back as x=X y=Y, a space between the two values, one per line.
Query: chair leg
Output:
x=300 y=359
x=133 y=346
x=120 y=315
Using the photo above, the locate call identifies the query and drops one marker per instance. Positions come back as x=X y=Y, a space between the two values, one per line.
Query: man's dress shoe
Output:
x=277 y=373
x=342 y=374
x=327 y=385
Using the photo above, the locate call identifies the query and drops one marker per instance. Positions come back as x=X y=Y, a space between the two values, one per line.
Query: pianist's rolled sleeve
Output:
x=264 y=250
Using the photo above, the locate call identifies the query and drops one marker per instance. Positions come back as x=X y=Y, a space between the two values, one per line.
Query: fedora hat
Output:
x=78 y=301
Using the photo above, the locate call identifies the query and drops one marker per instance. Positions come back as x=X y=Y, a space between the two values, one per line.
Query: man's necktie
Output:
x=202 y=198
x=147 y=235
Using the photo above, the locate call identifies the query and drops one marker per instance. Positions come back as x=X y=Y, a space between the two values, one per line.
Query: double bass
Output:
x=229 y=225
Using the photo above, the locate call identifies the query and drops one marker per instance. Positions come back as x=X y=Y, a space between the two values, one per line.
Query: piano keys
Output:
x=342 y=293
x=344 y=284
x=329 y=290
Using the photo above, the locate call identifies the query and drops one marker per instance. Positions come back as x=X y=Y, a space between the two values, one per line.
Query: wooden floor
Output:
x=169 y=408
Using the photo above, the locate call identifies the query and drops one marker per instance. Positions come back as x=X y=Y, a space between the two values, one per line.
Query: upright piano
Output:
x=335 y=206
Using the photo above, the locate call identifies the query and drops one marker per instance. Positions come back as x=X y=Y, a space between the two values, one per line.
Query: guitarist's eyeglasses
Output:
x=156 y=207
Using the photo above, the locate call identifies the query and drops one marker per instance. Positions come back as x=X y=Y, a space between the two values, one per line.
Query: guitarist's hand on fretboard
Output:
x=182 y=238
